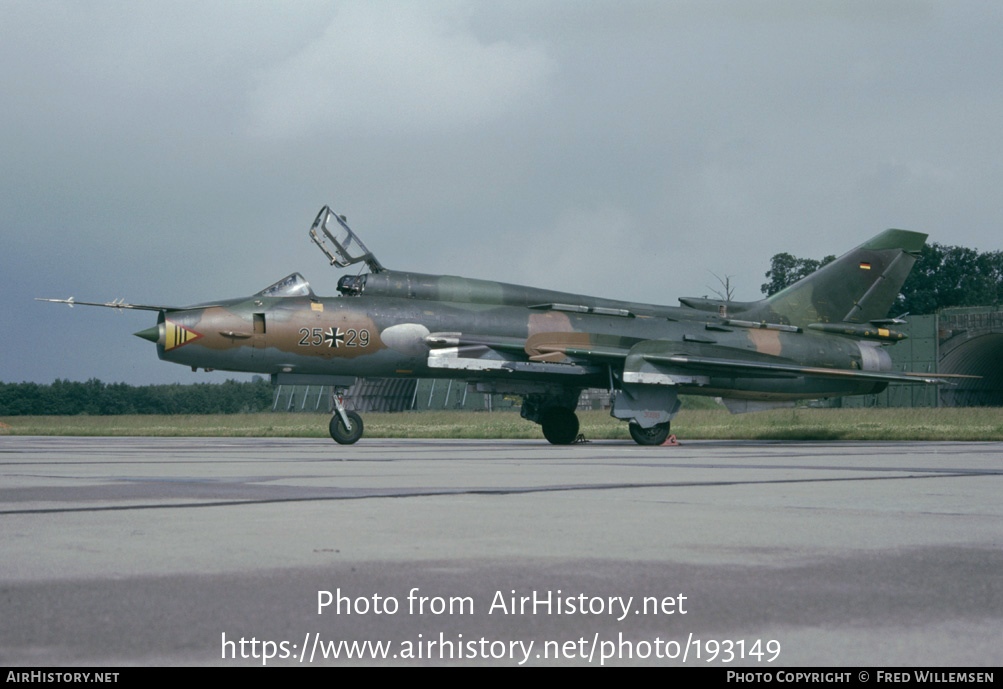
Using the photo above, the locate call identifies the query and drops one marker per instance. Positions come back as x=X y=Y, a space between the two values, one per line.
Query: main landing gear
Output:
x=656 y=435
x=554 y=410
x=560 y=425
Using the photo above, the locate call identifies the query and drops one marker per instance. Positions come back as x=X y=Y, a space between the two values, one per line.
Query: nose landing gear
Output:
x=346 y=434
x=345 y=426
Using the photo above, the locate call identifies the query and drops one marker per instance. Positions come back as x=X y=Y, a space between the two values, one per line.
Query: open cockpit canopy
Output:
x=348 y=248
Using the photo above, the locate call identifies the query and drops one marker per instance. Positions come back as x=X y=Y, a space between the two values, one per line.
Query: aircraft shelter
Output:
x=957 y=340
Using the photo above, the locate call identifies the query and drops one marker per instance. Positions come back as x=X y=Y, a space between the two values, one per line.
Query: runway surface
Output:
x=134 y=551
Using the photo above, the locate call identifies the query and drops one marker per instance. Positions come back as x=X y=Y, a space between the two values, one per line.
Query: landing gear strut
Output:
x=560 y=425
x=345 y=426
x=655 y=435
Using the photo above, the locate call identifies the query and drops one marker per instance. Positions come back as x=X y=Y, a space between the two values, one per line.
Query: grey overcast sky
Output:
x=176 y=152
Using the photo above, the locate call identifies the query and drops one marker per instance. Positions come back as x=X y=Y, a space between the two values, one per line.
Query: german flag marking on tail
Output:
x=865 y=266
x=178 y=335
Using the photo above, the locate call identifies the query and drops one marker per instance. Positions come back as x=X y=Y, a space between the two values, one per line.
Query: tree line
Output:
x=943 y=276
x=66 y=397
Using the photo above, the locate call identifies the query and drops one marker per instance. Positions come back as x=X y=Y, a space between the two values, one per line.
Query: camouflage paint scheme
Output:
x=820 y=337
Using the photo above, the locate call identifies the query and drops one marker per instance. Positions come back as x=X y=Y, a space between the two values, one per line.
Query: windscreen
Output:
x=290 y=286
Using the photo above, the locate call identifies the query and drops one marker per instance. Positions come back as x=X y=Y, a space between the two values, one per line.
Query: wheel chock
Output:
x=671 y=440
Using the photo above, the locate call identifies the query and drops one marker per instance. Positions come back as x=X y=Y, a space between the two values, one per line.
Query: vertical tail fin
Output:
x=859 y=286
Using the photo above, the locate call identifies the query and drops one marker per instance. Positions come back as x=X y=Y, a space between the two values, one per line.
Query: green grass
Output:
x=785 y=424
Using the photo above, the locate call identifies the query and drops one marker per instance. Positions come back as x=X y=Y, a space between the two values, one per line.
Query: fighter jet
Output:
x=824 y=336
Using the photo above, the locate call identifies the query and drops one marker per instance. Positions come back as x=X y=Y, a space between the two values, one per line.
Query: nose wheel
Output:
x=346 y=435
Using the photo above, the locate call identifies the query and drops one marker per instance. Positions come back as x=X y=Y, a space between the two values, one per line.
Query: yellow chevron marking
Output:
x=177 y=335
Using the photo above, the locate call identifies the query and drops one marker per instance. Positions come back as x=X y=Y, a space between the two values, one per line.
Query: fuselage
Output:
x=386 y=336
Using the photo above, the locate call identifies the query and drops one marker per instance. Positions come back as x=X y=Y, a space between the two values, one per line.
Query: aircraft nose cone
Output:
x=152 y=334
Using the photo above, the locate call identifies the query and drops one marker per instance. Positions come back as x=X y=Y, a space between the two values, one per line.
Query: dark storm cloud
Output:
x=176 y=152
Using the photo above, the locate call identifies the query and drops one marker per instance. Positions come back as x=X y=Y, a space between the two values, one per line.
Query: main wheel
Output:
x=341 y=434
x=560 y=426
x=655 y=435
